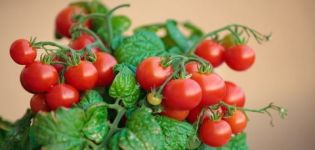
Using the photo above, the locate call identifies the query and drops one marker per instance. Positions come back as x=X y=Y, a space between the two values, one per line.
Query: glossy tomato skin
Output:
x=182 y=94
x=62 y=95
x=83 y=76
x=179 y=115
x=213 y=87
x=151 y=74
x=237 y=121
x=38 y=103
x=64 y=20
x=194 y=113
x=38 y=77
x=22 y=52
x=104 y=65
x=234 y=95
x=239 y=57
x=192 y=67
x=82 y=41
x=211 y=51
x=215 y=133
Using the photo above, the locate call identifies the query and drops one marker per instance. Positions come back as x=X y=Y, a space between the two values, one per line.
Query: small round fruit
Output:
x=104 y=65
x=38 y=103
x=22 y=52
x=234 y=95
x=151 y=74
x=179 y=115
x=215 y=133
x=212 y=86
x=38 y=77
x=237 y=121
x=192 y=67
x=82 y=41
x=211 y=51
x=153 y=100
x=83 y=76
x=65 y=20
x=182 y=94
x=194 y=113
x=239 y=57
x=229 y=41
x=62 y=95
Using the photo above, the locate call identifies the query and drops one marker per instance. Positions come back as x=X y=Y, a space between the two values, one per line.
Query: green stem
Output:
x=48 y=43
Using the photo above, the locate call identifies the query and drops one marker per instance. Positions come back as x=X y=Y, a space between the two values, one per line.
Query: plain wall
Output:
x=283 y=72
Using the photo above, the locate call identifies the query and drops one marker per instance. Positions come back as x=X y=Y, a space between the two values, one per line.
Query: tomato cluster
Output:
x=58 y=83
x=197 y=96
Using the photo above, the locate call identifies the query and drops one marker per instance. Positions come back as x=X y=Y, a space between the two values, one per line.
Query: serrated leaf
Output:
x=126 y=140
x=125 y=86
x=17 y=137
x=96 y=127
x=89 y=98
x=141 y=45
x=147 y=129
x=176 y=35
x=176 y=133
x=60 y=129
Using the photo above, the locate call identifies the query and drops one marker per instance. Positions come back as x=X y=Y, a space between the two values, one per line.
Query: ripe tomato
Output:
x=104 y=65
x=211 y=51
x=64 y=20
x=192 y=67
x=182 y=94
x=234 y=95
x=62 y=95
x=215 y=133
x=82 y=41
x=237 y=121
x=38 y=77
x=150 y=73
x=38 y=103
x=179 y=115
x=83 y=76
x=194 y=113
x=239 y=57
x=212 y=86
x=22 y=52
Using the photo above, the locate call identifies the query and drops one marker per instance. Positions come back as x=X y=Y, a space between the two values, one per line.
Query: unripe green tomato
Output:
x=153 y=100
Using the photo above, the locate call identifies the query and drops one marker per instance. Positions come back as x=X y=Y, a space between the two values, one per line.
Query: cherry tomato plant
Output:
x=144 y=91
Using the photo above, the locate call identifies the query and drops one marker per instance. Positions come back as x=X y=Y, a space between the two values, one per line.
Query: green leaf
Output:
x=151 y=27
x=96 y=128
x=176 y=35
x=141 y=45
x=147 y=129
x=176 y=133
x=120 y=24
x=195 y=33
x=89 y=98
x=126 y=140
x=17 y=137
x=60 y=129
x=125 y=86
x=238 y=142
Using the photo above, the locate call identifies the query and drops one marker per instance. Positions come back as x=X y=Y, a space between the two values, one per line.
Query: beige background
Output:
x=283 y=72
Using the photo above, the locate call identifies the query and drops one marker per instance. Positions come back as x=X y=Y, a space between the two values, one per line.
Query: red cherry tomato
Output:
x=194 y=113
x=213 y=87
x=179 y=115
x=150 y=73
x=211 y=51
x=65 y=20
x=82 y=41
x=237 y=121
x=192 y=67
x=234 y=95
x=182 y=94
x=38 y=77
x=22 y=52
x=104 y=65
x=83 y=76
x=38 y=103
x=215 y=133
x=239 y=57
x=62 y=95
